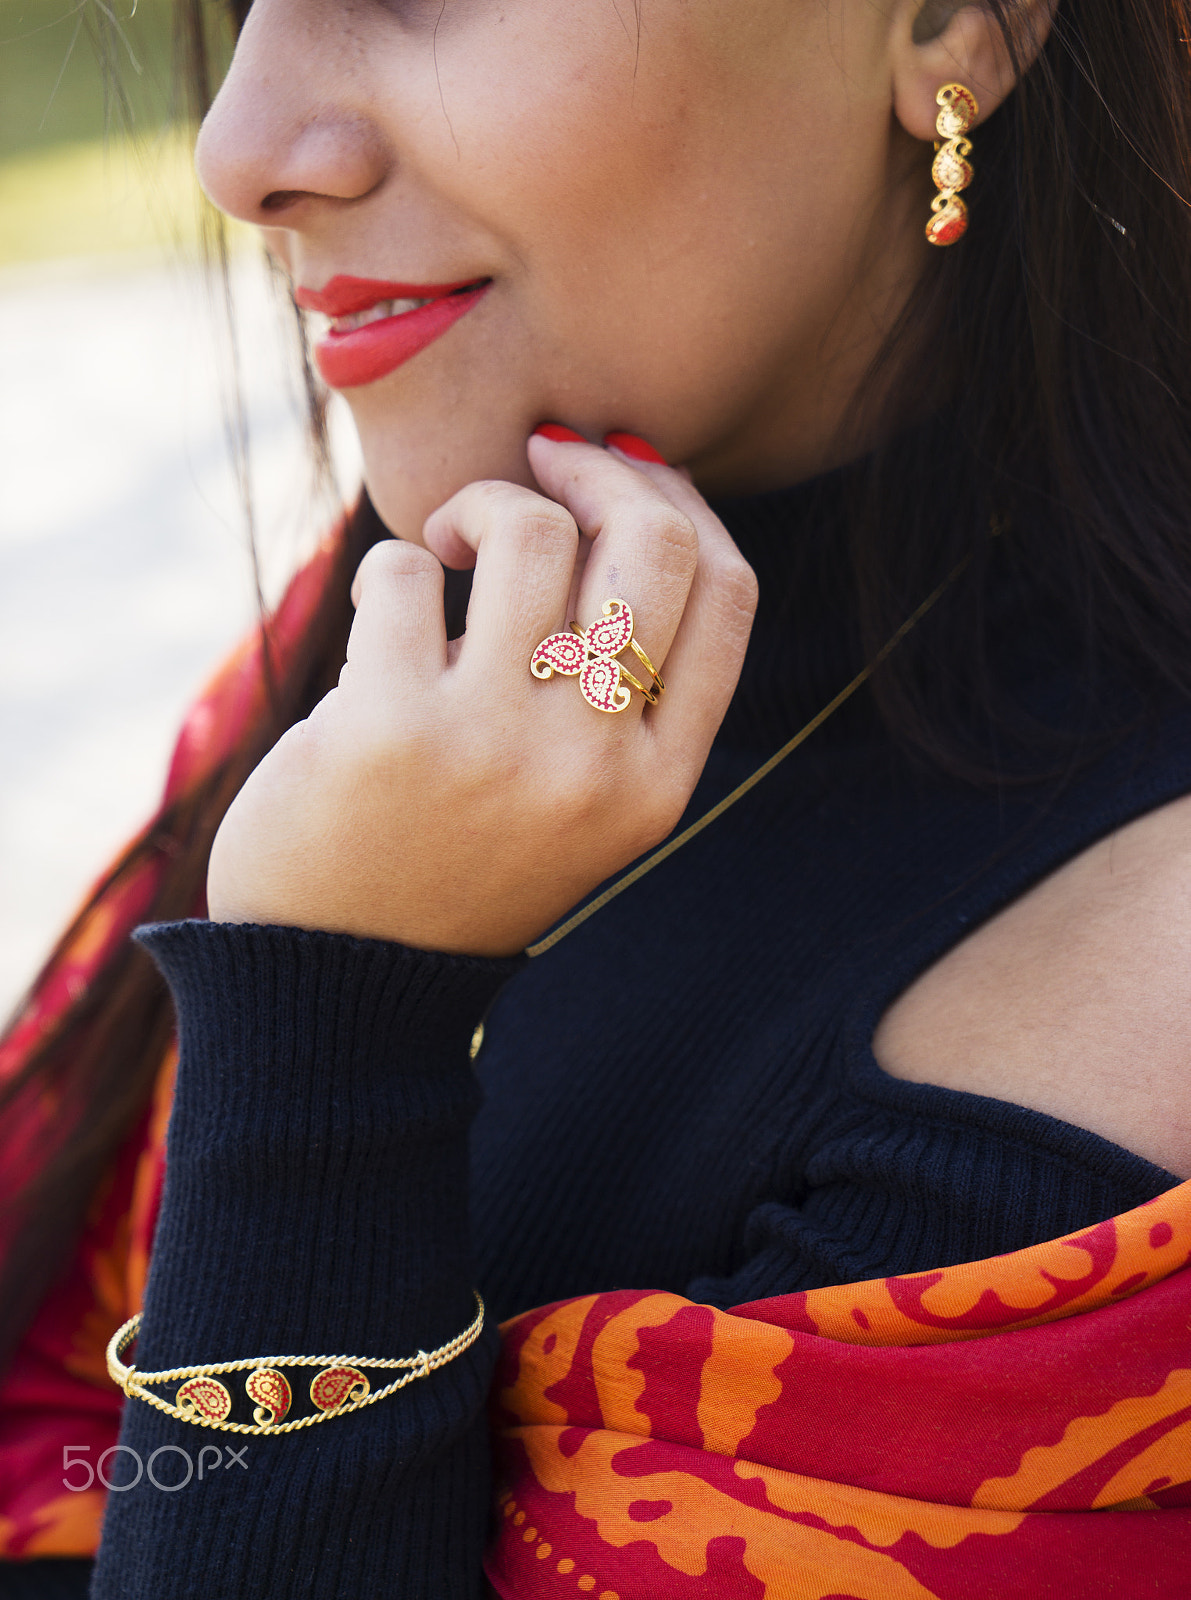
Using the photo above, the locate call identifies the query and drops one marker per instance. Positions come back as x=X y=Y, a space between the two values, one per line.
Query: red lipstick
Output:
x=359 y=354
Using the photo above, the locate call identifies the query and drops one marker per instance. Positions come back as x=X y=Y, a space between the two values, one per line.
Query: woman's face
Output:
x=694 y=218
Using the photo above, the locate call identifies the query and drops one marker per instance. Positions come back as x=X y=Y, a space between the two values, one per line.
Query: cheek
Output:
x=551 y=132
x=649 y=184
x=671 y=235
x=564 y=123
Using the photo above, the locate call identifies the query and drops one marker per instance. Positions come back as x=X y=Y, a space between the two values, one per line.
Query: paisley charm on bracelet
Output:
x=272 y=1393
x=204 y=1400
x=337 y=1384
x=589 y=654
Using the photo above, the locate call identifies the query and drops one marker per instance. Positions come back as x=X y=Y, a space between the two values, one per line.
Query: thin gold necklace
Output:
x=663 y=852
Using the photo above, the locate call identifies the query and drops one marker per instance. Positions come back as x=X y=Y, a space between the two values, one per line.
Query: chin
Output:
x=409 y=471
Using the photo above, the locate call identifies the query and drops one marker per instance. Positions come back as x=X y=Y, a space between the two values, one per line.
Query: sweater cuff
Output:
x=303 y=994
x=316 y=1171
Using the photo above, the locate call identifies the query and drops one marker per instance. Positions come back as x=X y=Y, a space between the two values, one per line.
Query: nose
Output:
x=291 y=123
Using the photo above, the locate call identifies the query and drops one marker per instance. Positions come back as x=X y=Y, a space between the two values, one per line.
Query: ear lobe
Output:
x=949 y=41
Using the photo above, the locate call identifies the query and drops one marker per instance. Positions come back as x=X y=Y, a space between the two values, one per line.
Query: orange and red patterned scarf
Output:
x=998 y=1430
x=1008 y=1428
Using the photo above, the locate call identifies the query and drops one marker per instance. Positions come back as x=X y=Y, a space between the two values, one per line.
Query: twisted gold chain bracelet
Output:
x=338 y=1388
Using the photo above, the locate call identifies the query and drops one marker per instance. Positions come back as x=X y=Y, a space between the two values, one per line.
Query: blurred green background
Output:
x=121 y=377
x=94 y=155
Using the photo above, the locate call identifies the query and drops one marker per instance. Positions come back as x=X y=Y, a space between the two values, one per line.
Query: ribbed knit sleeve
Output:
x=316 y=1203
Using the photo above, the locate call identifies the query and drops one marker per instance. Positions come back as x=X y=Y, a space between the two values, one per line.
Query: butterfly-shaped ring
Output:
x=589 y=654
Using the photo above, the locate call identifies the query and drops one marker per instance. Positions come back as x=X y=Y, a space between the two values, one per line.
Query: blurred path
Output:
x=124 y=572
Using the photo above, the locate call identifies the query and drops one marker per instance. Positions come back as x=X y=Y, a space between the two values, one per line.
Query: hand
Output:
x=443 y=797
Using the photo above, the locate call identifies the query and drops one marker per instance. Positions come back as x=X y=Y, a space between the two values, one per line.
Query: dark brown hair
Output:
x=1054 y=347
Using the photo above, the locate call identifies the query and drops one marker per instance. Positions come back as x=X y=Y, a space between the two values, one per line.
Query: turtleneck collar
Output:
x=806 y=646
x=805 y=643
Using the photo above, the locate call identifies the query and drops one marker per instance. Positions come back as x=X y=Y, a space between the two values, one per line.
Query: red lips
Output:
x=349 y=360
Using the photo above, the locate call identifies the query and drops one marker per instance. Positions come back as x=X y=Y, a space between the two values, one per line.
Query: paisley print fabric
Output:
x=942 y=1435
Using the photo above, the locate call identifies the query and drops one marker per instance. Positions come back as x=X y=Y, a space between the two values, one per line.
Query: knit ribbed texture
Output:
x=316 y=1203
x=680 y=1095
x=708 y=1118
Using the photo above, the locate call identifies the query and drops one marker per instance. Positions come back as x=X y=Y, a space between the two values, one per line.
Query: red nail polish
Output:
x=630 y=445
x=555 y=430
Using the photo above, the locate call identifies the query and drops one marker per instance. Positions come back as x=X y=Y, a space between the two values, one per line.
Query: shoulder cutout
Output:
x=1075 y=1000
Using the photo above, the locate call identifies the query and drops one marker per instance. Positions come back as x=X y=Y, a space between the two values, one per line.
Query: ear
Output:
x=960 y=41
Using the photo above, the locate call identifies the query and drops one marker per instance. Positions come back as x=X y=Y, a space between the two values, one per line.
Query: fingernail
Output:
x=630 y=445
x=555 y=430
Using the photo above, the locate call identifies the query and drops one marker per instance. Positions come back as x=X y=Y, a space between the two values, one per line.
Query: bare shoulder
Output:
x=1076 y=999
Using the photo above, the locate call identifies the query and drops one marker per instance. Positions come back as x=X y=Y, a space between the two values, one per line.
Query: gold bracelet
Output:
x=339 y=1388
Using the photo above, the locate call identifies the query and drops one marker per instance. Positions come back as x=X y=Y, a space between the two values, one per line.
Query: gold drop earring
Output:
x=951 y=169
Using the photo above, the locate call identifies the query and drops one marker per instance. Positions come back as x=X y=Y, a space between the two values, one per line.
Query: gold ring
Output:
x=589 y=654
x=656 y=690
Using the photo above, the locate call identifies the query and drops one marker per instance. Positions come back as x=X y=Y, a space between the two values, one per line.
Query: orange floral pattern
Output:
x=939 y=1435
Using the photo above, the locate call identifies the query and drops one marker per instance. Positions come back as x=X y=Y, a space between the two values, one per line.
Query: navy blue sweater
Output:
x=680 y=1095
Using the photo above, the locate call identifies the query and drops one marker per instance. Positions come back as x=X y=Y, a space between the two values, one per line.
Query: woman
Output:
x=916 y=1001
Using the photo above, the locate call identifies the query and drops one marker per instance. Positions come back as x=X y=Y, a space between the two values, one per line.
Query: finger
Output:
x=645 y=548
x=399 y=633
x=704 y=662
x=525 y=547
x=678 y=485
